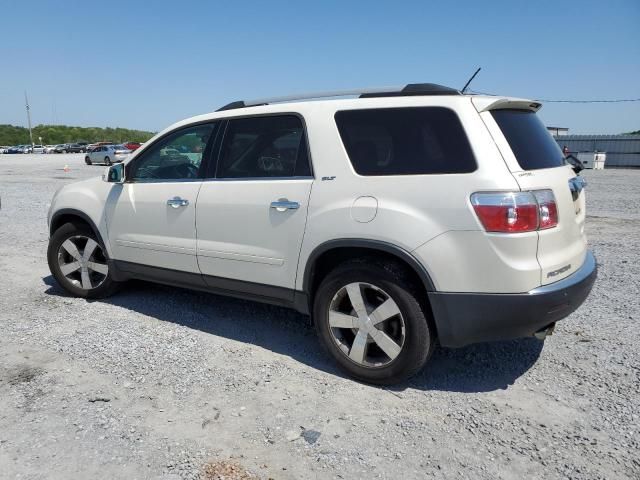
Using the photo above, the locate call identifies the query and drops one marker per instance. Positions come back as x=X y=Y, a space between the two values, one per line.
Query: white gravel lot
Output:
x=156 y=381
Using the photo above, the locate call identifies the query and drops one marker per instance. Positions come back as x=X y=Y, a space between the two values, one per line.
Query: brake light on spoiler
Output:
x=516 y=212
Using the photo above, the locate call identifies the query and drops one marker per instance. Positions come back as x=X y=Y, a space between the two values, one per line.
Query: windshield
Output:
x=530 y=141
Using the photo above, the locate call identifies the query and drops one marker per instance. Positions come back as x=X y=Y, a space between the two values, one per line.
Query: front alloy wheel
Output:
x=78 y=261
x=82 y=262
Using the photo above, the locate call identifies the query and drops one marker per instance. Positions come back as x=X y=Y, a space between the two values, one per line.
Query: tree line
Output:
x=55 y=134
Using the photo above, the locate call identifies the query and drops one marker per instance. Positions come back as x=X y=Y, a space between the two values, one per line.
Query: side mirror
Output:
x=114 y=174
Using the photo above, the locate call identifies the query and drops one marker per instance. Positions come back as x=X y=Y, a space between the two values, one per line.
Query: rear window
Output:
x=530 y=141
x=405 y=141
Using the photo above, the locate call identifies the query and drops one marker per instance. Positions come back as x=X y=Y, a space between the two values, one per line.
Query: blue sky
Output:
x=148 y=64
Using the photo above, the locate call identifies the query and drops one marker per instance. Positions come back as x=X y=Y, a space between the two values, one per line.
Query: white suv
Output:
x=396 y=219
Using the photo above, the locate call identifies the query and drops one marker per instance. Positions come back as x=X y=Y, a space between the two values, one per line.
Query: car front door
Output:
x=151 y=217
x=251 y=216
x=94 y=155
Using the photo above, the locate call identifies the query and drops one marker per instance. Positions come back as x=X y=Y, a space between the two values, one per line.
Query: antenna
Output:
x=26 y=102
x=470 y=80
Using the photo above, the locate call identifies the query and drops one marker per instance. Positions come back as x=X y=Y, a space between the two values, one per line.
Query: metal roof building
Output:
x=621 y=150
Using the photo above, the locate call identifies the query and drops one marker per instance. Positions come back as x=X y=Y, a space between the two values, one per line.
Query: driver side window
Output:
x=176 y=157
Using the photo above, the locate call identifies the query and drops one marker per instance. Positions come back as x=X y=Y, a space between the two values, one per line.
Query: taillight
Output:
x=516 y=212
x=547 y=208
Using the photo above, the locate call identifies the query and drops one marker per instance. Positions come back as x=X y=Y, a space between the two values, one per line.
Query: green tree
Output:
x=55 y=134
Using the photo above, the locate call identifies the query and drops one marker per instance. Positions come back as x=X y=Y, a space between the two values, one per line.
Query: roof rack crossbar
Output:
x=405 y=90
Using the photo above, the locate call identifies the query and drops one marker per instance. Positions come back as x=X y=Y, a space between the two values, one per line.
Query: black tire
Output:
x=66 y=232
x=418 y=339
x=87 y=160
x=107 y=161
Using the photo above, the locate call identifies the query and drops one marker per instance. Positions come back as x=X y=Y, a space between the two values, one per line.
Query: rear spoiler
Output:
x=486 y=103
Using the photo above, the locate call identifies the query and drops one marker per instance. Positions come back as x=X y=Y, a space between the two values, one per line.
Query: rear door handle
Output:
x=177 y=202
x=284 y=205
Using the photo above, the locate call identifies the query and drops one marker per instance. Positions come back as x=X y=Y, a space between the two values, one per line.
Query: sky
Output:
x=146 y=65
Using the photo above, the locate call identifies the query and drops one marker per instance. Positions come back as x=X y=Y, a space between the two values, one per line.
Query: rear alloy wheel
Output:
x=79 y=262
x=107 y=161
x=366 y=324
x=87 y=160
x=369 y=319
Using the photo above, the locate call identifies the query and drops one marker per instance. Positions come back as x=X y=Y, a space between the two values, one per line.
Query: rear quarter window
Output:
x=530 y=141
x=405 y=141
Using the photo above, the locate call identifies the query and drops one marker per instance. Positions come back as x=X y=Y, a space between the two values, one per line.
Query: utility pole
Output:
x=26 y=101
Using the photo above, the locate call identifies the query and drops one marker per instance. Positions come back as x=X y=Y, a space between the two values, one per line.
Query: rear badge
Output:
x=559 y=271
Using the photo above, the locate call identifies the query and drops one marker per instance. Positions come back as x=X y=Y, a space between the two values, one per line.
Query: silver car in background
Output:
x=107 y=154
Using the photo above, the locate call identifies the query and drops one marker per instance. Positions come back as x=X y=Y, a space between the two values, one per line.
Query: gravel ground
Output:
x=164 y=383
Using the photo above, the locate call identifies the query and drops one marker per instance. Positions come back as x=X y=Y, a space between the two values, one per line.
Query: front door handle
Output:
x=177 y=202
x=284 y=205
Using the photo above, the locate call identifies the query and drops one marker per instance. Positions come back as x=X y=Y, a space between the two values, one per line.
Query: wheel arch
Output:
x=70 y=215
x=332 y=248
x=326 y=255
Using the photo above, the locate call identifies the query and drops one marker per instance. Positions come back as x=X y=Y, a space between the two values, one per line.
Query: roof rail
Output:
x=406 y=90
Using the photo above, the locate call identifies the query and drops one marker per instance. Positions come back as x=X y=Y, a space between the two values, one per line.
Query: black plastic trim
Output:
x=76 y=213
x=232 y=106
x=413 y=89
x=259 y=292
x=369 y=244
x=465 y=318
x=408 y=90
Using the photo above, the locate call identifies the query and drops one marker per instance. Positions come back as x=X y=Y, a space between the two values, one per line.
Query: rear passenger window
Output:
x=405 y=141
x=269 y=146
x=530 y=141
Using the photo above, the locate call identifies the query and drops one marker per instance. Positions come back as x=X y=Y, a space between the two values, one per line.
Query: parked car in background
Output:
x=133 y=146
x=3 y=149
x=76 y=148
x=97 y=144
x=49 y=148
x=107 y=154
x=37 y=149
x=16 y=149
x=60 y=148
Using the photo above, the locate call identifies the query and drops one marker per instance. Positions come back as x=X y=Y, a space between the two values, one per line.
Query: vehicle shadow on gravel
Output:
x=477 y=368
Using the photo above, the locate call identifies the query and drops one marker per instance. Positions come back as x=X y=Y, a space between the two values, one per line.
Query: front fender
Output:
x=85 y=200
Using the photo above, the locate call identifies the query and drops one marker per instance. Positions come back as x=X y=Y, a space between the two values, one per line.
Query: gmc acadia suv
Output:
x=397 y=219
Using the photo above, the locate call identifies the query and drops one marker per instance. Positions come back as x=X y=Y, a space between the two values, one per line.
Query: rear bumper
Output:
x=465 y=318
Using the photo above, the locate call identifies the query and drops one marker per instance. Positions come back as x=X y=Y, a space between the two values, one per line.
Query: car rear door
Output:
x=251 y=213
x=537 y=163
